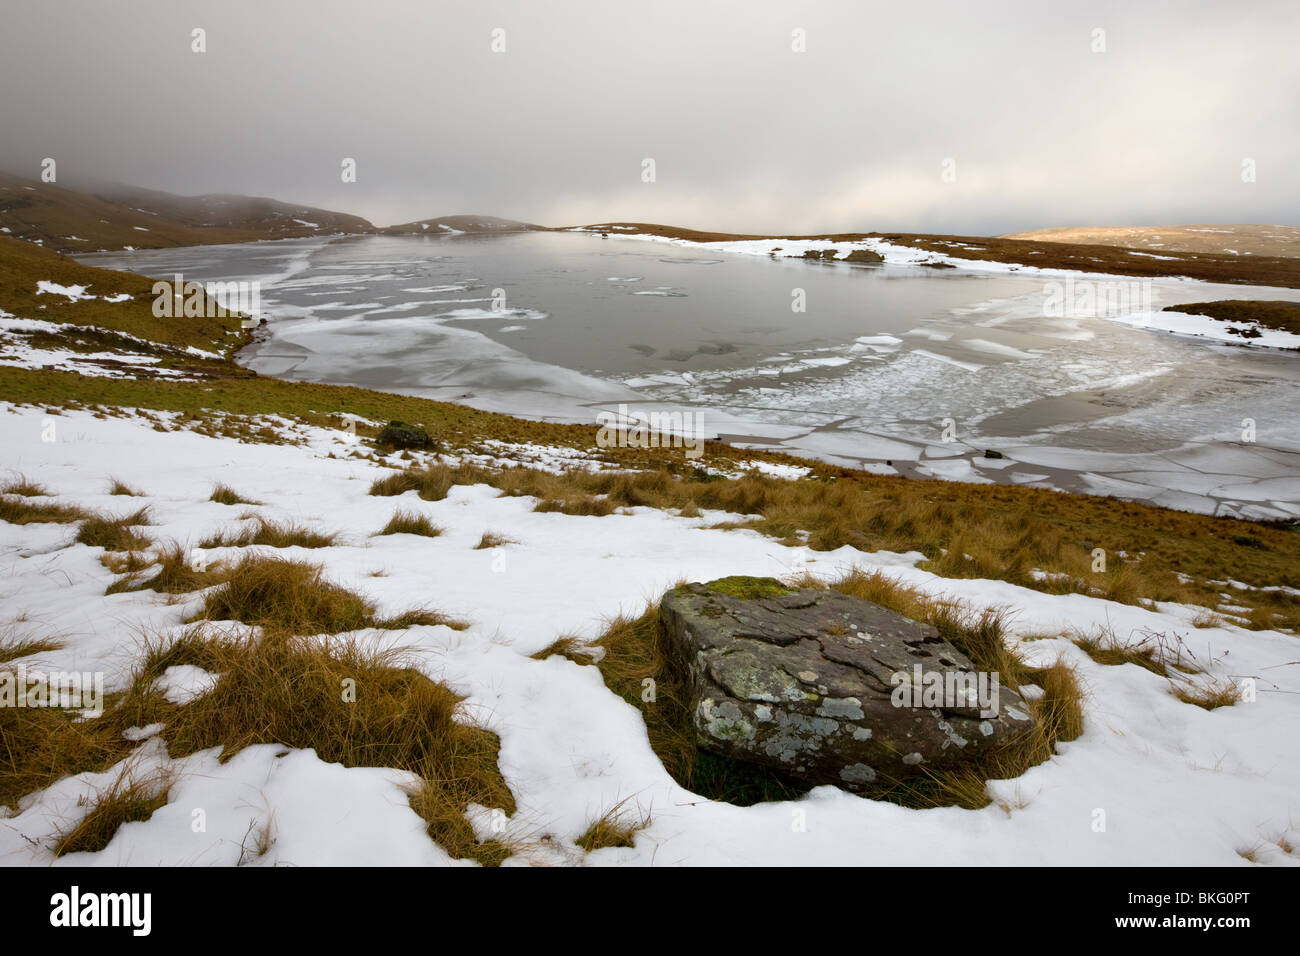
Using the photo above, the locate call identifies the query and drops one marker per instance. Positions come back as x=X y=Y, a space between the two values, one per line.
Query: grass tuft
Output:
x=420 y=617
x=1208 y=695
x=613 y=828
x=491 y=539
x=1153 y=651
x=263 y=838
x=17 y=511
x=223 y=494
x=430 y=483
x=178 y=573
x=287 y=597
x=410 y=522
x=273 y=534
x=577 y=505
x=571 y=647
x=114 y=534
x=1106 y=648
x=131 y=798
x=21 y=486
x=12 y=648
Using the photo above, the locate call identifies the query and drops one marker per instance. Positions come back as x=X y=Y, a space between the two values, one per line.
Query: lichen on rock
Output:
x=805 y=681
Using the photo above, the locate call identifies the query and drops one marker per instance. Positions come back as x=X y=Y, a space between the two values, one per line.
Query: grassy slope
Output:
x=465 y=223
x=23 y=265
x=1254 y=240
x=1006 y=529
x=34 y=210
x=270 y=217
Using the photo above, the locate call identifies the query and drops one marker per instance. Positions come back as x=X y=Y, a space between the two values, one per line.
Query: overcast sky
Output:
x=745 y=133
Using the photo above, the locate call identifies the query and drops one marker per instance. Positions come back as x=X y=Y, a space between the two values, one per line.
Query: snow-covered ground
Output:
x=1175 y=784
x=1185 y=323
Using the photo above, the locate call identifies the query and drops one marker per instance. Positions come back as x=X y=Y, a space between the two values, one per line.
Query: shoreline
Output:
x=1028 y=457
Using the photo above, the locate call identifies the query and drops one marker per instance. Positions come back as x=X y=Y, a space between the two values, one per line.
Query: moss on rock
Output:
x=748 y=588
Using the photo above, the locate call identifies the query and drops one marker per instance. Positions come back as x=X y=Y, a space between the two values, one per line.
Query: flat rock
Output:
x=831 y=689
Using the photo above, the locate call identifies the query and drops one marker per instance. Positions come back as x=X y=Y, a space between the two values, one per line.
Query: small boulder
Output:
x=400 y=435
x=828 y=688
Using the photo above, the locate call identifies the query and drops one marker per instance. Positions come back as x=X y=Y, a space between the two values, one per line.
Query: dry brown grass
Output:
x=18 y=511
x=491 y=539
x=39 y=745
x=1154 y=651
x=287 y=596
x=19 y=485
x=280 y=689
x=125 y=562
x=988 y=531
x=223 y=494
x=263 y=838
x=577 y=505
x=1206 y=618
x=1108 y=650
x=177 y=573
x=616 y=827
x=293 y=691
x=430 y=483
x=1259 y=240
x=115 y=534
x=272 y=534
x=570 y=647
x=131 y=798
x=420 y=617
x=410 y=522
x=13 y=647
x=1207 y=693
x=293 y=597
x=119 y=487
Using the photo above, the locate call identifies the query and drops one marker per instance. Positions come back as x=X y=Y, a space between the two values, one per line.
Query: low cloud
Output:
x=1032 y=124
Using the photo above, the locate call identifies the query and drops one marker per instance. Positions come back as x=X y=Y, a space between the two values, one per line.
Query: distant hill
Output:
x=1241 y=240
x=102 y=215
x=114 y=216
x=459 y=224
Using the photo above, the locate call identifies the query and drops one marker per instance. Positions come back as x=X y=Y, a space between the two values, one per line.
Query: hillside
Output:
x=1210 y=266
x=99 y=216
x=469 y=223
x=114 y=216
x=1240 y=240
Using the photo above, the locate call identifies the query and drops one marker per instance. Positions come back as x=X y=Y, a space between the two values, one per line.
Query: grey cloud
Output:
x=746 y=134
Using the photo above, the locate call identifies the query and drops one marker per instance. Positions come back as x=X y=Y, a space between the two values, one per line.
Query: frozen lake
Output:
x=883 y=360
